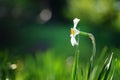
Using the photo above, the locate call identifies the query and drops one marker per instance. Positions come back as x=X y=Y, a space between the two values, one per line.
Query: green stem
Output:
x=91 y=36
x=75 y=65
x=93 y=51
x=84 y=33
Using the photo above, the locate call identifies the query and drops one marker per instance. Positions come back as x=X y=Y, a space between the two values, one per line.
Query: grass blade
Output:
x=103 y=69
x=108 y=67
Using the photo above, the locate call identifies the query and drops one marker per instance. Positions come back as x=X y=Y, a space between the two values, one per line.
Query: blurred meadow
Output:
x=35 y=38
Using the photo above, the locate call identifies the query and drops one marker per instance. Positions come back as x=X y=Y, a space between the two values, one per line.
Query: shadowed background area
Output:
x=34 y=35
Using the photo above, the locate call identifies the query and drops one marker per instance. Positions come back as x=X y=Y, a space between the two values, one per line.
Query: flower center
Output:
x=72 y=31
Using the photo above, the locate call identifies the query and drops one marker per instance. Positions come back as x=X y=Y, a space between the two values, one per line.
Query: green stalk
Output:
x=75 y=65
x=91 y=36
x=93 y=51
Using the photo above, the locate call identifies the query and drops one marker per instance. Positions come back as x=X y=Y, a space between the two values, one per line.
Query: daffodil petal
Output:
x=73 y=41
x=75 y=21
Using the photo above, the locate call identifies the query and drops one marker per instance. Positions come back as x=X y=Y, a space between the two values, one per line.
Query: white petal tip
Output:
x=76 y=20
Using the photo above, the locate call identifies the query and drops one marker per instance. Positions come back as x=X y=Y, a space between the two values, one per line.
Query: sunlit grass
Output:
x=48 y=66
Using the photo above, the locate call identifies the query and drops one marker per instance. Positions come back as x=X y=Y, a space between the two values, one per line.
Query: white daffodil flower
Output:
x=74 y=32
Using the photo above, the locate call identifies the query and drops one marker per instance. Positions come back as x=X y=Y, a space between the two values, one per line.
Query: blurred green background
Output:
x=34 y=35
